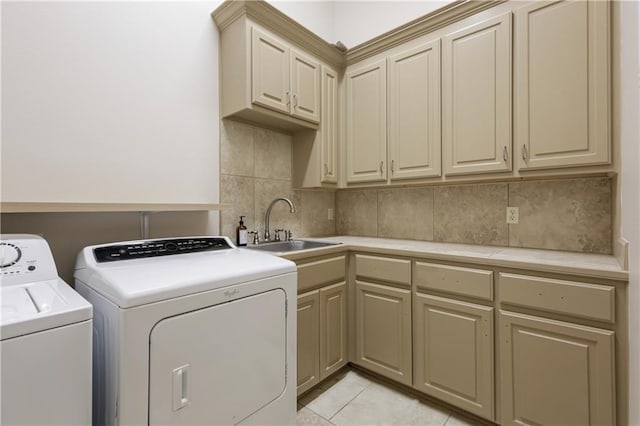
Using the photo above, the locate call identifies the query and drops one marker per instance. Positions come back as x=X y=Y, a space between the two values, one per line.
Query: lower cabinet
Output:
x=322 y=334
x=308 y=340
x=333 y=328
x=555 y=372
x=453 y=352
x=432 y=327
x=383 y=330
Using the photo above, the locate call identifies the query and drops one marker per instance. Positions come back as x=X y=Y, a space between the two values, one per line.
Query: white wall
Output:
x=316 y=16
x=114 y=101
x=358 y=21
x=110 y=102
x=354 y=22
x=628 y=39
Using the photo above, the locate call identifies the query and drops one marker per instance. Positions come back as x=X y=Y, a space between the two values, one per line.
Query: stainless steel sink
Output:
x=294 y=245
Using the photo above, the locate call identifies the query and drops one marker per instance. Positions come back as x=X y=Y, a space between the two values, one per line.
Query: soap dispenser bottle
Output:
x=241 y=233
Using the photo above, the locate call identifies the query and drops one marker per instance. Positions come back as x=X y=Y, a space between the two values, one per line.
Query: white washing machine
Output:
x=45 y=349
x=191 y=331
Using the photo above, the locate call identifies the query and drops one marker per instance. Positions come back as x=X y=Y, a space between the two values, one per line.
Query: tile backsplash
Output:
x=563 y=214
x=256 y=168
x=567 y=214
x=474 y=214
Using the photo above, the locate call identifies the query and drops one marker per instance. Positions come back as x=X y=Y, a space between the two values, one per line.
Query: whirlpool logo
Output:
x=232 y=293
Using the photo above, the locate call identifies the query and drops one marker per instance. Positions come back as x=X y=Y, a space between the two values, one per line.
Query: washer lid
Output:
x=129 y=283
x=40 y=306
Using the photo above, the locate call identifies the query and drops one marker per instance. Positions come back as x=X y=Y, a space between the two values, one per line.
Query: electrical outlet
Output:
x=330 y=214
x=513 y=215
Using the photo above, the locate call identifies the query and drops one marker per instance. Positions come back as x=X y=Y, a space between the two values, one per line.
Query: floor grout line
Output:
x=323 y=417
x=351 y=400
x=319 y=415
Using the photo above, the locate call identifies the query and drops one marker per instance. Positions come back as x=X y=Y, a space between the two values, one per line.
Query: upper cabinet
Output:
x=476 y=98
x=270 y=66
x=562 y=111
x=475 y=91
x=281 y=78
x=366 y=123
x=270 y=72
x=305 y=87
x=315 y=153
x=329 y=128
x=414 y=112
x=393 y=116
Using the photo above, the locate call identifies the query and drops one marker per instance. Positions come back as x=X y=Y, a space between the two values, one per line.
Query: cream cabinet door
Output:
x=366 y=123
x=476 y=98
x=333 y=328
x=270 y=68
x=383 y=330
x=414 y=112
x=308 y=340
x=305 y=87
x=453 y=352
x=329 y=126
x=555 y=372
x=562 y=92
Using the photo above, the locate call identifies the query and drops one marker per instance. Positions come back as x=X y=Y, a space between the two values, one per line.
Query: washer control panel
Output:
x=160 y=247
x=10 y=254
x=25 y=258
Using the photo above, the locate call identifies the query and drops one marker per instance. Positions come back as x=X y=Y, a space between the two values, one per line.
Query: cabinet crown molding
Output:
x=261 y=12
x=425 y=24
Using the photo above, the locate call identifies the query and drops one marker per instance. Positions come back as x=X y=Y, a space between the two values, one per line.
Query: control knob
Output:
x=9 y=254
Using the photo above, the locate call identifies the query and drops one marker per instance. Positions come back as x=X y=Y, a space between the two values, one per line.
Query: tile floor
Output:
x=352 y=399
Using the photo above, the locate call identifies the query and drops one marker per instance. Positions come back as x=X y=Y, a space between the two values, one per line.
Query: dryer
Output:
x=45 y=350
x=190 y=331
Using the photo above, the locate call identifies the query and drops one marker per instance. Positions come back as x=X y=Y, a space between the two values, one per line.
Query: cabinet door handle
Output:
x=295 y=101
x=381 y=165
x=505 y=154
x=326 y=169
x=392 y=166
x=524 y=152
x=288 y=98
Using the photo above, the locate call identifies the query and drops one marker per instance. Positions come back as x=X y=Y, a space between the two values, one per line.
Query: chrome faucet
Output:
x=292 y=209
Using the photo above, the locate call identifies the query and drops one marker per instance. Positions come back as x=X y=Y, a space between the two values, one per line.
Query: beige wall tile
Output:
x=253 y=152
x=238 y=192
x=236 y=148
x=473 y=214
x=406 y=213
x=273 y=154
x=357 y=212
x=267 y=190
x=315 y=219
x=572 y=214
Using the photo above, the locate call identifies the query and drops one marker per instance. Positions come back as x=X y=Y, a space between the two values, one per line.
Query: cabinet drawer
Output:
x=320 y=272
x=567 y=297
x=452 y=279
x=384 y=268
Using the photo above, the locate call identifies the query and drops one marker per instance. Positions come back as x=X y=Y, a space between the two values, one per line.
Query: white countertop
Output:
x=583 y=264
